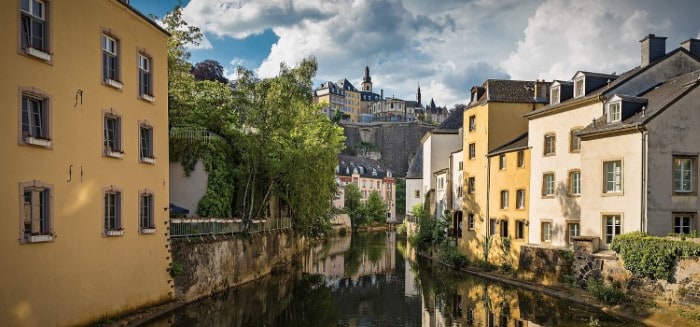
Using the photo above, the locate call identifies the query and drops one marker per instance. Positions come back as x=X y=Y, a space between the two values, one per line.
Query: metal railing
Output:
x=192 y=134
x=190 y=227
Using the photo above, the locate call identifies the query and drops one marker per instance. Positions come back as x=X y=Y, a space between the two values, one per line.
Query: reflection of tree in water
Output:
x=313 y=304
x=371 y=245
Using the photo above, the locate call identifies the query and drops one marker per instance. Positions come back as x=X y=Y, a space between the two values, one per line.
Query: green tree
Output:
x=400 y=197
x=352 y=197
x=376 y=208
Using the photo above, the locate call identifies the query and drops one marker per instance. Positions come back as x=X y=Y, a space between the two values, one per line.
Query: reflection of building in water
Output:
x=329 y=260
x=409 y=288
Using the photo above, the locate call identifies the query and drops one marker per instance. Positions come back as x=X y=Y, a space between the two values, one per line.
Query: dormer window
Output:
x=374 y=172
x=614 y=112
x=579 y=87
x=554 y=96
x=475 y=96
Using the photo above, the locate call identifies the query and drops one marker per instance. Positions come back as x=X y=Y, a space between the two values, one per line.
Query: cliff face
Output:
x=395 y=142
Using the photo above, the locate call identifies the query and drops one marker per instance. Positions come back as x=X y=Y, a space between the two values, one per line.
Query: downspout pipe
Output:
x=488 y=196
x=643 y=210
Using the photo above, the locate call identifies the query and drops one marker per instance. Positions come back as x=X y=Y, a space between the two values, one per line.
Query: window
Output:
x=146 y=223
x=504 y=228
x=614 y=112
x=110 y=61
x=112 y=214
x=546 y=232
x=521 y=158
x=416 y=194
x=613 y=176
x=472 y=150
x=502 y=162
x=459 y=191
x=683 y=174
x=36 y=217
x=520 y=199
x=112 y=136
x=461 y=166
x=520 y=229
x=575 y=182
x=579 y=87
x=35 y=120
x=492 y=226
x=475 y=96
x=555 y=95
x=548 y=184
x=471 y=185
x=470 y=221
x=613 y=227
x=683 y=223
x=34 y=29
x=504 y=199
x=574 y=141
x=146 y=144
x=472 y=123
x=145 y=81
x=572 y=229
x=550 y=142
x=378 y=185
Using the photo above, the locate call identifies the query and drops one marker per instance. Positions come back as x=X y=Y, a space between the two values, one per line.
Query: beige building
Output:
x=85 y=186
x=369 y=176
x=493 y=118
x=557 y=177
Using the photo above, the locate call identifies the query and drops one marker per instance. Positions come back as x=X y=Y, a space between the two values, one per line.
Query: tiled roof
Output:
x=415 y=168
x=346 y=165
x=498 y=90
x=517 y=143
x=658 y=99
x=454 y=121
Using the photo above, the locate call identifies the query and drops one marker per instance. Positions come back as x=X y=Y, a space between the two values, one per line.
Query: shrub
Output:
x=651 y=256
x=450 y=255
x=605 y=293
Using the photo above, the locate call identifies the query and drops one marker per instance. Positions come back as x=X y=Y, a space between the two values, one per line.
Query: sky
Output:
x=445 y=46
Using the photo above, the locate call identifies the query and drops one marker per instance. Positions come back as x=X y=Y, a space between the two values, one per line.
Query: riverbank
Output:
x=641 y=310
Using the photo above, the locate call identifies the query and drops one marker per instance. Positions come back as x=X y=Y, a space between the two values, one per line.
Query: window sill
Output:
x=30 y=140
x=115 y=84
x=618 y=193
x=36 y=53
x=683 y=193
x=148 y=230
x=113 y=232
x=114 y=154
x=39 y=238
x=148 y=98
x=150 y=161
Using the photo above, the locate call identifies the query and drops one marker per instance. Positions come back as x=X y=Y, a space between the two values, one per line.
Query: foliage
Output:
x=176 y=269
x=605 y=293
x=209 y=70
x=400 y=197
x=431 y=230
x=487 y=243
x=402 y=229
x=505 y=248
x=651 y=256
x=450 y=255
x=352 y=197
x=376 y=208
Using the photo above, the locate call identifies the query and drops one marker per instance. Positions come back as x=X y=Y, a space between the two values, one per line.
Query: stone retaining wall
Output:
x=543 y=264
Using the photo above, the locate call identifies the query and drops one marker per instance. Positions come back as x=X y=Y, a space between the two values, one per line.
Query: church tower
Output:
x=367 y=81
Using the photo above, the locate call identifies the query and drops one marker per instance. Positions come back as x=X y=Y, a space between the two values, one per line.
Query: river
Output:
x=366 y=280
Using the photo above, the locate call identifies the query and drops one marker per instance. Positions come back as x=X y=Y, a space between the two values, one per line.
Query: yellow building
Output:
x=493 y=118
x=83 y=132
x=509 y=181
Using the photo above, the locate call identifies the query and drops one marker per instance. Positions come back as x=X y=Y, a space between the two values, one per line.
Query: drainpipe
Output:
x=643 y=212
x=488 y=195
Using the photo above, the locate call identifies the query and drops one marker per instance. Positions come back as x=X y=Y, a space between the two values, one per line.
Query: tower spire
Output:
x=418 y=95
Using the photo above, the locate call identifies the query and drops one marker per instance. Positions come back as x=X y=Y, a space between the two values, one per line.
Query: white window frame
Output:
x=112 y=214
x=554 y=95
x=580 y=87
x=521 y=159
x=38 y=217
x=574 y=141
x=471 y=184
x=575 y=183
x=502 y=161
x=614 y=111
x=611 y=227
x=470 y=221
x=503 y=228
x=110 y=50
x=29 y=16
x=520 y=199
x=550 y=144
x=145 y=68
x=572 y=229
x=504 y=199
x=519 y=229
x=548 y=184
x=146 y=144
x=683 y=176
x=472 y=123
x=147 y=223
x=612 y=176
x=472 y=151
x=35 y=119
x=546 y=231
x=682 y=222
x=112 y=135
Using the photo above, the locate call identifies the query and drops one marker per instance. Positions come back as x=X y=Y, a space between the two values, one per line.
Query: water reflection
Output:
x=364 y=280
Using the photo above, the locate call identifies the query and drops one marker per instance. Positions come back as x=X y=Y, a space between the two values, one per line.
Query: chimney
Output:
x=653 y=48
x=541 y=93
x=692 y=45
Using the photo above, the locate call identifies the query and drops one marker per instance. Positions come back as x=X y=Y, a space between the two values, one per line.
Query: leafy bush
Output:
x=651 y=256
x=450 y=255
x=402 y=229
x=605 y=293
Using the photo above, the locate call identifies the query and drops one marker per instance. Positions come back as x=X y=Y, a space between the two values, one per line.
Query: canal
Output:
x=367 y=280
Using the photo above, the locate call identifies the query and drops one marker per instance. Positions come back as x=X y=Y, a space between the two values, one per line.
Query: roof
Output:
x=146 y=18
x=365 y=167
x=621 y=79
x=415 y=168
x=658 y=99
x=498 y=90
x=346 y=85
x=517 y=143
x=454 y=121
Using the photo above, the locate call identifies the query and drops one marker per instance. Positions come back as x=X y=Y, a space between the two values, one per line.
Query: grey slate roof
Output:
x=658 y=99
x=346 y=165
x=415 y=168
x=498 y=90
x=346 y=85
x=454 y=121
x=517 y=143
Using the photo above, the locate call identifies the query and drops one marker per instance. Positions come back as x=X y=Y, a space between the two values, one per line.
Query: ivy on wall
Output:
x=652 y=256
x=214 y=154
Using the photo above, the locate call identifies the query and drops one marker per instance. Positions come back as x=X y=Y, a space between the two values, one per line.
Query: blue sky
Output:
x=447 y=46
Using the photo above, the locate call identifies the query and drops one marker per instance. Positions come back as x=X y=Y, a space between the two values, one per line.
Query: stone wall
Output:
x=544 y=264
x=396 y=142
x=214 y=265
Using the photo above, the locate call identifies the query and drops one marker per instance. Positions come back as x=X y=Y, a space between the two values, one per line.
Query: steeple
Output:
x=367 y=81
x=418 y=95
